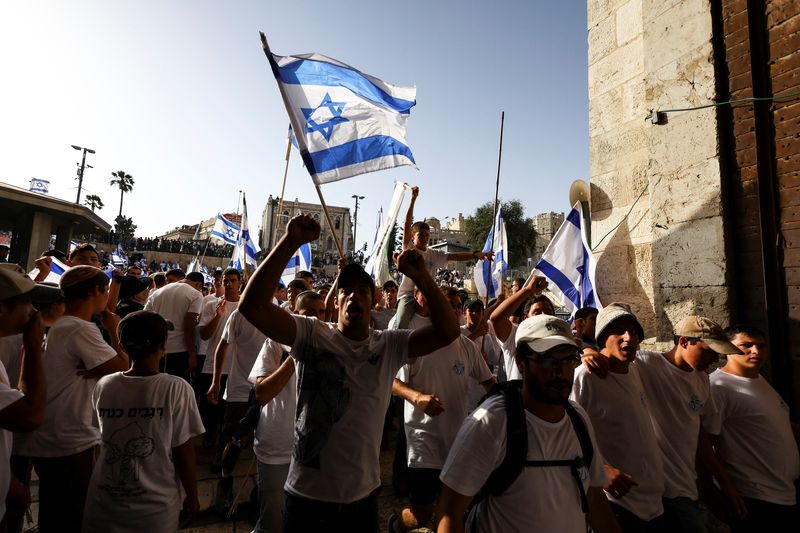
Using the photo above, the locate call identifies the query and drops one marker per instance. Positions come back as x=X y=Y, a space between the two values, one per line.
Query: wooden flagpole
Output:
x=283 y=189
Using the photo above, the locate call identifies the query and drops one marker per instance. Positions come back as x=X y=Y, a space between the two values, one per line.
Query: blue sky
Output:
x=179 y=95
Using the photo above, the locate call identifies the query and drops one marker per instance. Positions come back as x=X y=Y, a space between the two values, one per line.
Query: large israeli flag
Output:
x=301 y=260
x=224 y=230
x=57 y=269
x=346 y=122
x=488 y=275
x=245 y=251
x=569 y=265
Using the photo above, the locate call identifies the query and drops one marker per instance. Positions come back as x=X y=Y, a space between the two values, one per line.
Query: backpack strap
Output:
x=516 y=439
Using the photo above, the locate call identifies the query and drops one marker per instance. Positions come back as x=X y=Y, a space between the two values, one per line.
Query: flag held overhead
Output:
x=346 y=122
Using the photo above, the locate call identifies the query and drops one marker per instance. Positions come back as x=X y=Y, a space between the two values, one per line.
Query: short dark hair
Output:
x=304 y=274
x=451 y=291
x=195 y=277
x=86 y=280
x=159 y=277
x=58 y=254
x=519 y=281
x=230 y=271
x=142 y=333
x=539 y=298
x=420 y=225
x=86 y=247
x=298 y=283
x=305 y=297
x=389 y=285
x=585 y=312
x=176 y=272
x=745 y=329
x=354 y=273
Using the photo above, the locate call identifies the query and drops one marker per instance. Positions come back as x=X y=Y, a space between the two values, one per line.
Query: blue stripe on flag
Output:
x=575 y=218
x=311 y=72
x=354 y=152
x=563 y=283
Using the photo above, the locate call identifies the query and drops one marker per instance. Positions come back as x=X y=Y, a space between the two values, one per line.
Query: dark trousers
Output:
x=210 y=414
x=21 y=468
x=176 y=364
x=630 y=523
x=63 y=483
x=766 y=516
x=304 y=516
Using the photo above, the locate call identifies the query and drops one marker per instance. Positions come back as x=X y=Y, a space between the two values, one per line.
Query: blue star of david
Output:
x=229 y=232
x=325 y=128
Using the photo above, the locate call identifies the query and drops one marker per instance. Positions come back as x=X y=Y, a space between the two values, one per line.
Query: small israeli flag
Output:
x=569 y=265
x=301 y=260
x=57 y=269
x=488 y=275
x=346 y=122
x=224 y=230
x=245 y=251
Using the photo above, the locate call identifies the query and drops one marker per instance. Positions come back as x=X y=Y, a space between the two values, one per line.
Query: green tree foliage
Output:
x=519 y=230
x=124 y=226
x=395 y=244
x=124 y=182
x=93 y=201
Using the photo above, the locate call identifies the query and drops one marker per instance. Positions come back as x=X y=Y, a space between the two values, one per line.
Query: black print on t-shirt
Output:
x=124 y=451
x=144 y=412
x=322 y=399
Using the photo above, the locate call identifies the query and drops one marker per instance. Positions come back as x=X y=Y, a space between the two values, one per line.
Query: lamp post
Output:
x=355 y=221
x=80 y=171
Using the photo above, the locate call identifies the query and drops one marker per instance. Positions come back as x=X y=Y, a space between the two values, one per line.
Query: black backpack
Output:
x=517 y=445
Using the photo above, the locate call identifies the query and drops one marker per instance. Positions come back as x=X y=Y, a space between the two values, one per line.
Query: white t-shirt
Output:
x=135 y=486
x=244 y=342
x=756 y=443
x=11 y=356
x=172 y=302
x=275 y=430
x=381 y=318
x=202 y=345
x=447 y=374
x=434 y=260
x=73 y=344
x=544 y=497
x=206 y=316
x=8 y=395
x=618 y=410
x=677 y=400
x=494 y=357
x=344 y=388
x=509 y=349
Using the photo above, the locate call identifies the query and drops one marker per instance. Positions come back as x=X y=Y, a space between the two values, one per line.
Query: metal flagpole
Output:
x=283 y=189
x=238 y=237
x=496 y=200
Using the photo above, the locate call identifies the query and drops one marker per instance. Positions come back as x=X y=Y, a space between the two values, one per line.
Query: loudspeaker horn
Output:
x=579 y=191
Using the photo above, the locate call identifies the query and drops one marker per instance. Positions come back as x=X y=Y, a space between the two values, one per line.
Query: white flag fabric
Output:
x=345 y=122
x=57 y=269
x=569 y=265
x=225 y=231
x=378 y=262
x=245 y=251
x=489 y=283
x=301 y=260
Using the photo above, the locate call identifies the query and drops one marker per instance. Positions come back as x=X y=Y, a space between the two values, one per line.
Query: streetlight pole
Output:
x=80 y=172
x=355 y=221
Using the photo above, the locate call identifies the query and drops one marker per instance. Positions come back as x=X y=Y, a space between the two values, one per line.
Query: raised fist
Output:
x=410 y=263
x=302 y=229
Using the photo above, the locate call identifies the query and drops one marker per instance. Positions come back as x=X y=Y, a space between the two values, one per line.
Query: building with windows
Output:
x=545 y=225
x=275 y=217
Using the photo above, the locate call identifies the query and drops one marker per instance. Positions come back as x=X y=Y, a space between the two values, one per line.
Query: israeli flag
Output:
x=378 y=263
x=301 y=260
x=346 y=122
x=245 y=251
x=57 y=269
x=224 y=230
x=569 y=265
x=488 y=275
x=377 y=233
x=118 y=256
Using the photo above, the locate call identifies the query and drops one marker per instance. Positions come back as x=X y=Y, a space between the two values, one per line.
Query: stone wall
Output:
x=656 y=189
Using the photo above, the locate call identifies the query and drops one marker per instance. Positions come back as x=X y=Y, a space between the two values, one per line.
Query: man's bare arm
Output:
x=268 y=387
x=504 y=310
x=27 y=413
x=409 y=220
x=600 y=516
x=429 y=404
x=451 y=511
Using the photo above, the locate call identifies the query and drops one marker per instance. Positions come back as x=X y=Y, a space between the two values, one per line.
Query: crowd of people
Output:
x=173 y=246
x=512 y=419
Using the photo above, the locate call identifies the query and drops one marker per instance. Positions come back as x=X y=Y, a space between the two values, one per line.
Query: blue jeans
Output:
x=271 y=479
x=685 y=515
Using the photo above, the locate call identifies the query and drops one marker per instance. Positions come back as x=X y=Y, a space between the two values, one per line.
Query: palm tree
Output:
x=125 y=184
x=92 y=200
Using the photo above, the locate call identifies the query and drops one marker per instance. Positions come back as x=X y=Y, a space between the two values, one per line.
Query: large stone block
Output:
x=684 y=27
x=605 y=112
x=675 y=303
x=619 y=66
x=602 y=38
x=688 y=82
x=686 y=140
x=619 y=147
x=629 y=21
x=690 y=254
x=687 y=194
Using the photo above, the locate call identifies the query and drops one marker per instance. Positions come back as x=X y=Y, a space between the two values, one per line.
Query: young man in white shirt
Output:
x=618 y=410
x=753 y=437
x=63 y=448
x=179 y=302
x=542 y=498
x=276 y=391
x=345 y=372
x=436 y=393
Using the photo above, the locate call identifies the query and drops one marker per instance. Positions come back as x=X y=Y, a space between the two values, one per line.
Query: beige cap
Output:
x=613 y=312
x=543 y=332
x=708 y=331
x=14 y=282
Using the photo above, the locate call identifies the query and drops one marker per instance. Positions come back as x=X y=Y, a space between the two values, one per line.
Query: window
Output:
x=337 y=222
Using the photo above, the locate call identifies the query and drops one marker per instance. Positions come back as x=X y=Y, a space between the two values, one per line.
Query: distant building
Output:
x=546 y=225
x=452 y=232
x=188 y=232
x=323 y=249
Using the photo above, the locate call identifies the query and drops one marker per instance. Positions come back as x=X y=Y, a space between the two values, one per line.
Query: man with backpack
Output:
x=527 y=452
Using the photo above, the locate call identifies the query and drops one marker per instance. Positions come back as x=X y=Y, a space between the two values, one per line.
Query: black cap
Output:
x=142 y=332
x=133 y=285
x=354 y=273
x=471 y=303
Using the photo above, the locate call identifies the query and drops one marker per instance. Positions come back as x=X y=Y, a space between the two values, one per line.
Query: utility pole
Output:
x=80 y=171
x=355 y=221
